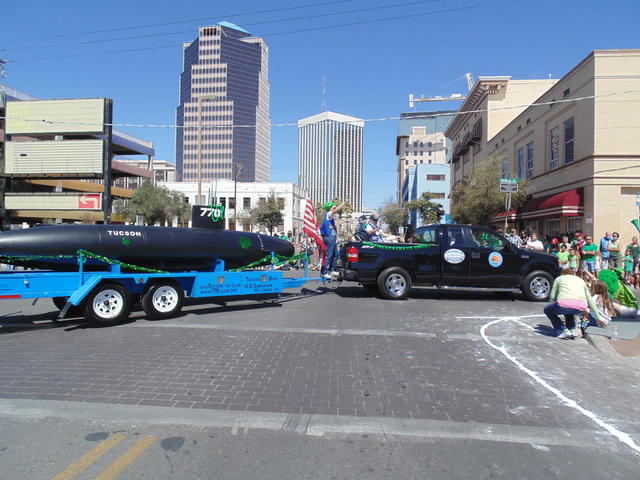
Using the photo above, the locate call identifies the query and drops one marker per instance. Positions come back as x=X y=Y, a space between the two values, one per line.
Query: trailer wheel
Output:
x=163 y=299
x=74 y=310
x=394 y=283
x=107 y=304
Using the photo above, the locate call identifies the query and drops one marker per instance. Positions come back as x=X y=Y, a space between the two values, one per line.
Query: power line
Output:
x=150 y=25
x=326 y=27
x=264 y=22
x=368 y=120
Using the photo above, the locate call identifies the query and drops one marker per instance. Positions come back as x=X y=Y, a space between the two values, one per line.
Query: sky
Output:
x=370 y=57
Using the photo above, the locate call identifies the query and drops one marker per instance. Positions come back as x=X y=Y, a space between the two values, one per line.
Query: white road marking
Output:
x=502 y=317
x=620 y=435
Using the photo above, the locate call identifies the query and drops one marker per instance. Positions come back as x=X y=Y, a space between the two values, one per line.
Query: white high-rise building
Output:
x=330 y=157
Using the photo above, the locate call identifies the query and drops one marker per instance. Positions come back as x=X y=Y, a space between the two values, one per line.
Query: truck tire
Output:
x=394 y=283
x=163 y=299
x=74 y=310
x=107 y=304
x=537 y=286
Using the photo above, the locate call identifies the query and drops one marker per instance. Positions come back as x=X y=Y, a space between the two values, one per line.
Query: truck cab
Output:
x=451 y=256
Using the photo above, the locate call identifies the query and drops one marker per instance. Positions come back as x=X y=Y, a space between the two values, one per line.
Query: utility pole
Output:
x=235 y=196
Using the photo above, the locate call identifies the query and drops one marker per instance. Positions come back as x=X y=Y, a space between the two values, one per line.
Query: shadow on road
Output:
x=427 y=293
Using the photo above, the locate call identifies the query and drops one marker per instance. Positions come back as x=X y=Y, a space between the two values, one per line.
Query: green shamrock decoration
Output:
x=126 y=241
x=245 y=242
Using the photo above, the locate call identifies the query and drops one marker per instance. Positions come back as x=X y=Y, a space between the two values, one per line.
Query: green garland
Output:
x=399 y=247
x=27 y=258
x=128 y=266
x=274 y=260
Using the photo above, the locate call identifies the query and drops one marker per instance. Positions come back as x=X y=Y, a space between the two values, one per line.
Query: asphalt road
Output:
x=322 y=385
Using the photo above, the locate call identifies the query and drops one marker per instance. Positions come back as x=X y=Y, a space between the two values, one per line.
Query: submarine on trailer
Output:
x=53 y=247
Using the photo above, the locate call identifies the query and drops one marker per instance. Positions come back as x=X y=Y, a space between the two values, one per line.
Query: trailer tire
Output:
x=107 y=304
x=163 y=299
x=394 y=283
x=73 y=311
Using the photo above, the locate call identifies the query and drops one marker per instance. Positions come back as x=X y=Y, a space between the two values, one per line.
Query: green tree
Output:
x=320 y=211
x=267 y=214
x=394 y=215
x=427 y=210
x=477 y=198
x=155 y=204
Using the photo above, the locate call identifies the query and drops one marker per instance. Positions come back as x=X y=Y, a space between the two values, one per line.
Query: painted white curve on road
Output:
x=618 y=434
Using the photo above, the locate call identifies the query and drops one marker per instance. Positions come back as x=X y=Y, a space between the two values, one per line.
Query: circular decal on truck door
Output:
x=453 y=255
x=495 y=259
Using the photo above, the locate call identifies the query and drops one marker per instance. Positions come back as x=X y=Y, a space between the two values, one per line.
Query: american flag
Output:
x=311 y=224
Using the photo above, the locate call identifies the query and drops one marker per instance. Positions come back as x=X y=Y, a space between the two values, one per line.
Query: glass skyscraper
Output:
x=224 y=107
x=330 y=157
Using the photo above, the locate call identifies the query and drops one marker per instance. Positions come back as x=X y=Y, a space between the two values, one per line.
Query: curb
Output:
x=602 y=344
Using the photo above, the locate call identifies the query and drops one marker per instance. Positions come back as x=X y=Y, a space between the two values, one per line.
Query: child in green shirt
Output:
x=628 y=264
x=573 y=259
x=563 y=257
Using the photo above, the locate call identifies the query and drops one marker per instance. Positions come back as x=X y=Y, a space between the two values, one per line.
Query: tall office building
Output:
x=330 y=157
x=224 y=94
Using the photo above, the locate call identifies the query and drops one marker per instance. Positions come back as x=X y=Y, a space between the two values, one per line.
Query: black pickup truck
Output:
x=449 y=256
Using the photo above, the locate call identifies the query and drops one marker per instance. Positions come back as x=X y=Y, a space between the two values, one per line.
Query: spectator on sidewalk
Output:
x=563 y=257
x=570 y=296
x=634 y=250
x=573 y=259
x=615 y=254
x=589 y=253
x=534 y=244
x=604 y=252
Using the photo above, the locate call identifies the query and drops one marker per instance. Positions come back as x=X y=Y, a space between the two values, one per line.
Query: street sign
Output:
x=508 y=186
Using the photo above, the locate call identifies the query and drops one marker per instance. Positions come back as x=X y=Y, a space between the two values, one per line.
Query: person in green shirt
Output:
x=634 y=248
x=589 y=253
x=563 y=257
x=573 y=259
x=628 y=264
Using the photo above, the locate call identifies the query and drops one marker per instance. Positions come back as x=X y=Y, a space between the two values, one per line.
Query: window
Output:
x=421 y=144
x=553 y=226
x=426 y=235
x=435 y=178
x=574 y=224
x=415 y=144
x=415 y=162
x=436 y=194
x=280 y=203
x=406 y=144
x=430 y=144
x=520 y=162
x=406 y=162
x=554 y=147
x=222 y=201
x=421 y=153
x=455 y=237
x=232 y=203
x=505 y=168
x=246 y=203
x=486 y=239
x=529 y=159
x=566 y=93
x=568 y=140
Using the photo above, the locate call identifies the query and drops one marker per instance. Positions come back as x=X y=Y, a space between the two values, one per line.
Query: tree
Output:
x=427 y=210
x=477 y=198
x=320 y=211
x=155 y=204
x=268 y=214
x=394 y=215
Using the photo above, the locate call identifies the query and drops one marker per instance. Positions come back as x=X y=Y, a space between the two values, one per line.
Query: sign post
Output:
x=509 y=186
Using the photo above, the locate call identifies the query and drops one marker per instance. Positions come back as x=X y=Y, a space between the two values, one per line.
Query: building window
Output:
x=222 y=201
x=566 y=92
x=281 y=203
x=415 y=144
x=529 y=159
x=421 y=153
x=505 y=168
x=520 y=162
x=232 y=203
x=553 y=226
x=415 y=162
x=435 y=195
x=406 y=144
x=435 y=178
x=246 y=203
x=406 y=162
x=554 y=147
x=574 y=224
x=568 y=140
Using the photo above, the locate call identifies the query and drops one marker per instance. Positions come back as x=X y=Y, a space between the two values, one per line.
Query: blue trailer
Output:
x=105 y=297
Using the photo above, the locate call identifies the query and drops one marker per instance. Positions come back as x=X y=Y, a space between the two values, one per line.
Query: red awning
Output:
x=563 y=204
x=511 y=215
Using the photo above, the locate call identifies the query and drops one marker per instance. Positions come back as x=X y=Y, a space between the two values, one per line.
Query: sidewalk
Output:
x=626 y=350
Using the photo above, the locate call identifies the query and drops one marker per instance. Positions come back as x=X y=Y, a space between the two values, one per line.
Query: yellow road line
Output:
x=90 y=457
x=126 y=459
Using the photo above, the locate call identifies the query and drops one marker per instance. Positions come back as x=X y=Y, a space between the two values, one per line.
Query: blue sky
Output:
x=370 y=68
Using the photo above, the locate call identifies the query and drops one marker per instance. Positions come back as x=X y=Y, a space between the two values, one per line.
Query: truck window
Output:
x=455 y=237
x=487 y=239
x=426 y=235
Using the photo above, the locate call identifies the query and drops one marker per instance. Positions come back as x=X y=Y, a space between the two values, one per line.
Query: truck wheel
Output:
x=163 y=299
x=107 y=304
x=537 y=286
x=74 y=310
x=394 y=283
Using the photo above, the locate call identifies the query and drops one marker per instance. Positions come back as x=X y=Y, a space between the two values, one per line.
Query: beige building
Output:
x=419 y=148
x=579 y=157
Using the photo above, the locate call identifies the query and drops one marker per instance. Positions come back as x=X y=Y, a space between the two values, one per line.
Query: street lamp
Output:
x=200 y=101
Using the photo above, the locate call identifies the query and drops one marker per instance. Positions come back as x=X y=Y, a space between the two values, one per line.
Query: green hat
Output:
x=328 y=205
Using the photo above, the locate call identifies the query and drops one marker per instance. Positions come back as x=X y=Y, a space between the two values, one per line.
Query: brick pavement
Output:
x=388 y=375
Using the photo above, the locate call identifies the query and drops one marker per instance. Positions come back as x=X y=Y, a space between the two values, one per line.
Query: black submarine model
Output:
x=54 y=247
